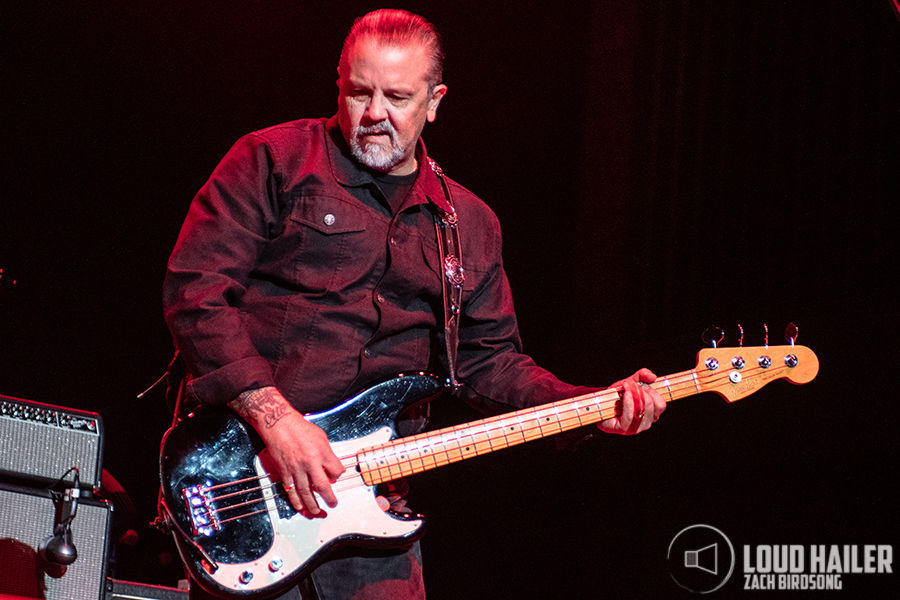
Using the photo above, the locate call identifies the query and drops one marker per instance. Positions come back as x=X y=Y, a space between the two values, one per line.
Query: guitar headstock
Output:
x=735 y=373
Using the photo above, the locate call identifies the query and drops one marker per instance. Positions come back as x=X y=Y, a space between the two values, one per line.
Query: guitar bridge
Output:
x=199 y=505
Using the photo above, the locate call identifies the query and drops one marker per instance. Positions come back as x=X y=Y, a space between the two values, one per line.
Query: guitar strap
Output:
x=447 y=229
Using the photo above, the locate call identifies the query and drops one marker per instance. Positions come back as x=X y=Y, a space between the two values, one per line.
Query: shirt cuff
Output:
x=226 y=383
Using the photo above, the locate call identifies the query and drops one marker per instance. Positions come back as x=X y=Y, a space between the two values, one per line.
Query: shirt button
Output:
x=393 y=241
x=329 y=219
x=380 y=298
x=367 y=353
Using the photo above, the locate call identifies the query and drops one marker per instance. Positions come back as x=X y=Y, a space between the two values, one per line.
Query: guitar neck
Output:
x=426 y=451
x=733 y=373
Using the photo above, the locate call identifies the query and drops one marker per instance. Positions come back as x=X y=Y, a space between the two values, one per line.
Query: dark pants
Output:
x=370 y=576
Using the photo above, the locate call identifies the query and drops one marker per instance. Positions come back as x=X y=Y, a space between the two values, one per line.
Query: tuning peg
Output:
x=791 y=333
x=712 y=336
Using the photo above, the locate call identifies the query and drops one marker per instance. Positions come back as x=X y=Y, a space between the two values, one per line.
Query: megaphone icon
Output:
x=705 y=559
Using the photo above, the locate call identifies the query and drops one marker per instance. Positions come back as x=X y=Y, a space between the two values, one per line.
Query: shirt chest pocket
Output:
x=331 y=243
x=328 y=216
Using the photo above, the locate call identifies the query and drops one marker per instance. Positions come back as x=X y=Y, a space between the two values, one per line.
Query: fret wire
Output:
x=427 y=451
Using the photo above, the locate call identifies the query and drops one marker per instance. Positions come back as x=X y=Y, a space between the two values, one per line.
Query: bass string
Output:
x=684 y=381
x=407 y=451
x=280 y=494
x=350 y=461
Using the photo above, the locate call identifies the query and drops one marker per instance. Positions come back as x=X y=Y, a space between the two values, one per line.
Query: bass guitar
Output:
x=239 y=536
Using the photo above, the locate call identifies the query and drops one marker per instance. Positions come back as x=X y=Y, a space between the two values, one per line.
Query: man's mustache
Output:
x=383 y=127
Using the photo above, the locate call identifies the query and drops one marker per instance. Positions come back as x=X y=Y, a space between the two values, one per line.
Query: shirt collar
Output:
x=349 y=172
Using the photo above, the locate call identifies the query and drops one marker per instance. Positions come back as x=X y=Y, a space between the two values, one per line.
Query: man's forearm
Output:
x=263 y=407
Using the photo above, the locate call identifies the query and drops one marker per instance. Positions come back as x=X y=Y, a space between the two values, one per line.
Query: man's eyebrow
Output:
x=400 y=89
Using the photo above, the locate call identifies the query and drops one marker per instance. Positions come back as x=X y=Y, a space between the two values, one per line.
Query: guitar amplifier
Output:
x=129 y=590
x=27 y=518
x=41 y=442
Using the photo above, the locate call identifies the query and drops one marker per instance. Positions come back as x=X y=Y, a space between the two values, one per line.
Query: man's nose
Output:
x=376 y=111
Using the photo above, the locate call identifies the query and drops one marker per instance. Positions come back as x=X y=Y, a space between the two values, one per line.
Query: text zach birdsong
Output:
x=793 y=566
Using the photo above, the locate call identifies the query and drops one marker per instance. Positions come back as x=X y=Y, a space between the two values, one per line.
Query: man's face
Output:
x=384 y=101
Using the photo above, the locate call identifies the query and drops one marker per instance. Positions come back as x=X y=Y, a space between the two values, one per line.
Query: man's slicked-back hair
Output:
x=399 y=28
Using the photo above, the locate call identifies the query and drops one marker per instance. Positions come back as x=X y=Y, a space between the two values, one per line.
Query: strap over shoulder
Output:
x=447 y=229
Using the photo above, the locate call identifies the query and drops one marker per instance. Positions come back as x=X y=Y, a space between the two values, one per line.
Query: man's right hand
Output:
x=299 y=450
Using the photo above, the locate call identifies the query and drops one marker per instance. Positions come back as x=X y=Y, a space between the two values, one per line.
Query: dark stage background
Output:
x=659 y=167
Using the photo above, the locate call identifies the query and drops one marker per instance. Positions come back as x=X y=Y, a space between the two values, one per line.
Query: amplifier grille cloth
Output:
x=25 y=521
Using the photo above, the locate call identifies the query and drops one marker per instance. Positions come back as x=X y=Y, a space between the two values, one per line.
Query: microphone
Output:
x=58 y=548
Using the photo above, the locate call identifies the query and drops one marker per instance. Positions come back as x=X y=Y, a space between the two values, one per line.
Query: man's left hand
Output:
x=641 y=405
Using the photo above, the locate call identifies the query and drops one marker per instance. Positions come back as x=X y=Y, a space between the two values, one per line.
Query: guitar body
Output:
x=215 y=481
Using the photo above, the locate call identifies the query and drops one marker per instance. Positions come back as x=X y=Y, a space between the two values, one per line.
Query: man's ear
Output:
x=437 y=94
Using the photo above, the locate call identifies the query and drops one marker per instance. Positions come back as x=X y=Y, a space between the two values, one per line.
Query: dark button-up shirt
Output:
x=292 y=270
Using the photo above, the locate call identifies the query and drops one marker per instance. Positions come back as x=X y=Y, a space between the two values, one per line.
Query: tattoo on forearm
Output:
x=265 y=407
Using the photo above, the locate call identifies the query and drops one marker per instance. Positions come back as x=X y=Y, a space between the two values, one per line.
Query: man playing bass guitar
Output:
x=309 y=267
